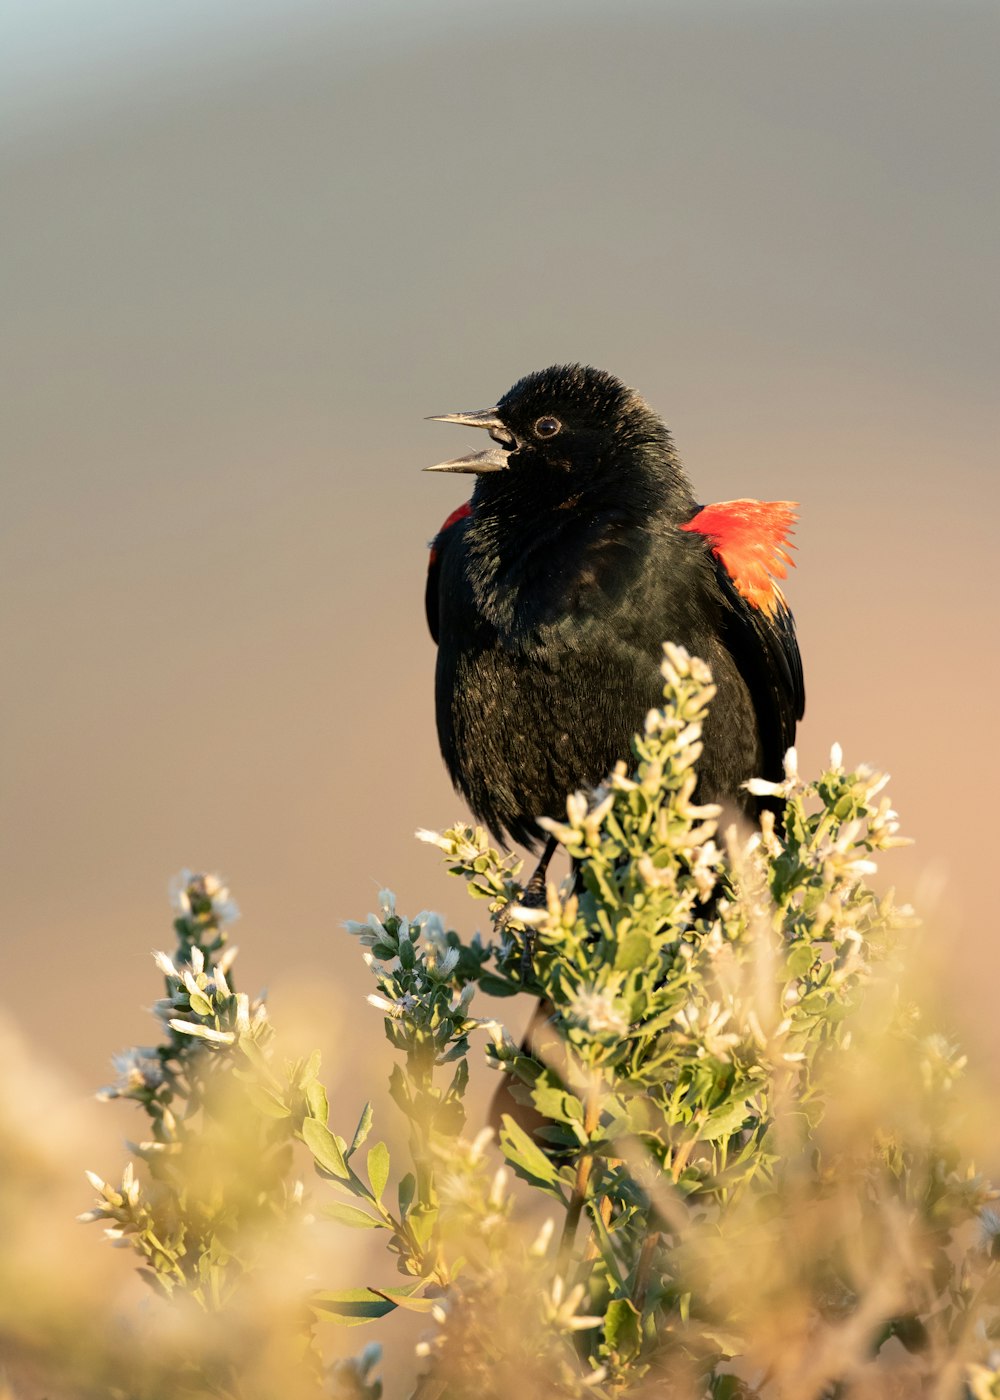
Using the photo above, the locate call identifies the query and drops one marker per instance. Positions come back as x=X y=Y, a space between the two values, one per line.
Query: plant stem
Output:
x=591 y=1119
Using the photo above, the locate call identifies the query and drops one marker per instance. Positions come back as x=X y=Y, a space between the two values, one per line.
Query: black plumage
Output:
x=582 y=550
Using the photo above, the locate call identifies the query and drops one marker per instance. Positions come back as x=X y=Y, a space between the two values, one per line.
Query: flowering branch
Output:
x=742 y=1136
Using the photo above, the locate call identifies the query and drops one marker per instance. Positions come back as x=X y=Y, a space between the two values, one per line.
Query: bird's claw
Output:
x=531 y=897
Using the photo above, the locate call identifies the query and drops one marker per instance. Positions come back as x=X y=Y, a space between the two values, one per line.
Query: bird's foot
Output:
x=533 y=896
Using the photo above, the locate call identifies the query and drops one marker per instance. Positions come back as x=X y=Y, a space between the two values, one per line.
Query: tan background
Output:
x=242 y=261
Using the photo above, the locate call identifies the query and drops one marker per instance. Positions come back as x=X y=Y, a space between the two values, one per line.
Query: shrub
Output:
x=745 y=1142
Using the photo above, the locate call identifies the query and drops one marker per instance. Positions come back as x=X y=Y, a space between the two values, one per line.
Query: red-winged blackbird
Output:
x=551 y=593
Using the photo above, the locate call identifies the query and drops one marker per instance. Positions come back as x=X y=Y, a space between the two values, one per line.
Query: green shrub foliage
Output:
x=743 y=1153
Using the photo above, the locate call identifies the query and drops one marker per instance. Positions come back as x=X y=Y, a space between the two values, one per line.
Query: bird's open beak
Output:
x=494 y=459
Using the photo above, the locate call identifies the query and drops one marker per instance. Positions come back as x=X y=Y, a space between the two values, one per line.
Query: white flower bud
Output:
x=433 y=838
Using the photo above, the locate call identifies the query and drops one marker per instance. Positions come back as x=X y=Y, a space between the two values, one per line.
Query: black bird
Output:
x=551 y=593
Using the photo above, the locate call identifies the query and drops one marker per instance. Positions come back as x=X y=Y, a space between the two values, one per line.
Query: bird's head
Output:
x=564 y=430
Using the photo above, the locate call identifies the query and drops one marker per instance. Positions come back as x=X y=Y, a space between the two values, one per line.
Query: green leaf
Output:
x=363 y=1129
x=725 y=1121
x=324 y=1148
x=800 y=960
x=497 y=986
x=526 y=1156
x=559 y=1136
x=728 y=1387
x=554 y=1103
x=405 y=1193
x=316 y=1101
x=621 y=1327
x=407 y=1297
x=351 y=1215
x=200 y=1005
x=459 y=1081
x=421 y=1221
x=604 y=1241
x=633 y=951
x=727 y=1342
x=266 y=1102
x=662 y=1019
x=378 y=1168
x=259 y=1060
x=351 y=1306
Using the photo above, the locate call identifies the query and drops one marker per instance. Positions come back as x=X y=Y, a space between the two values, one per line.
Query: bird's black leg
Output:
x=534 y=890
x=533 y=895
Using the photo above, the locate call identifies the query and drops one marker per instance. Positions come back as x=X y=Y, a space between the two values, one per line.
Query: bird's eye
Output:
x=547 y=427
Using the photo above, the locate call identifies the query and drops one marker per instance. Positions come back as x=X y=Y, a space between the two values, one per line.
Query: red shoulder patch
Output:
x=750 y=539
x=458 y=514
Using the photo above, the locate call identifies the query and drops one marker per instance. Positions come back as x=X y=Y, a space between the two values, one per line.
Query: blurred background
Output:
x=248 y=246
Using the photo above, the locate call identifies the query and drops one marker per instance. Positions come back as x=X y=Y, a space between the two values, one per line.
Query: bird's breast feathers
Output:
x=750 y=540
x=551 y=567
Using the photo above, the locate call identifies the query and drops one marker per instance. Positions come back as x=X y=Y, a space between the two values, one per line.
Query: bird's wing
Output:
x=749 y=540
x=438 y=545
